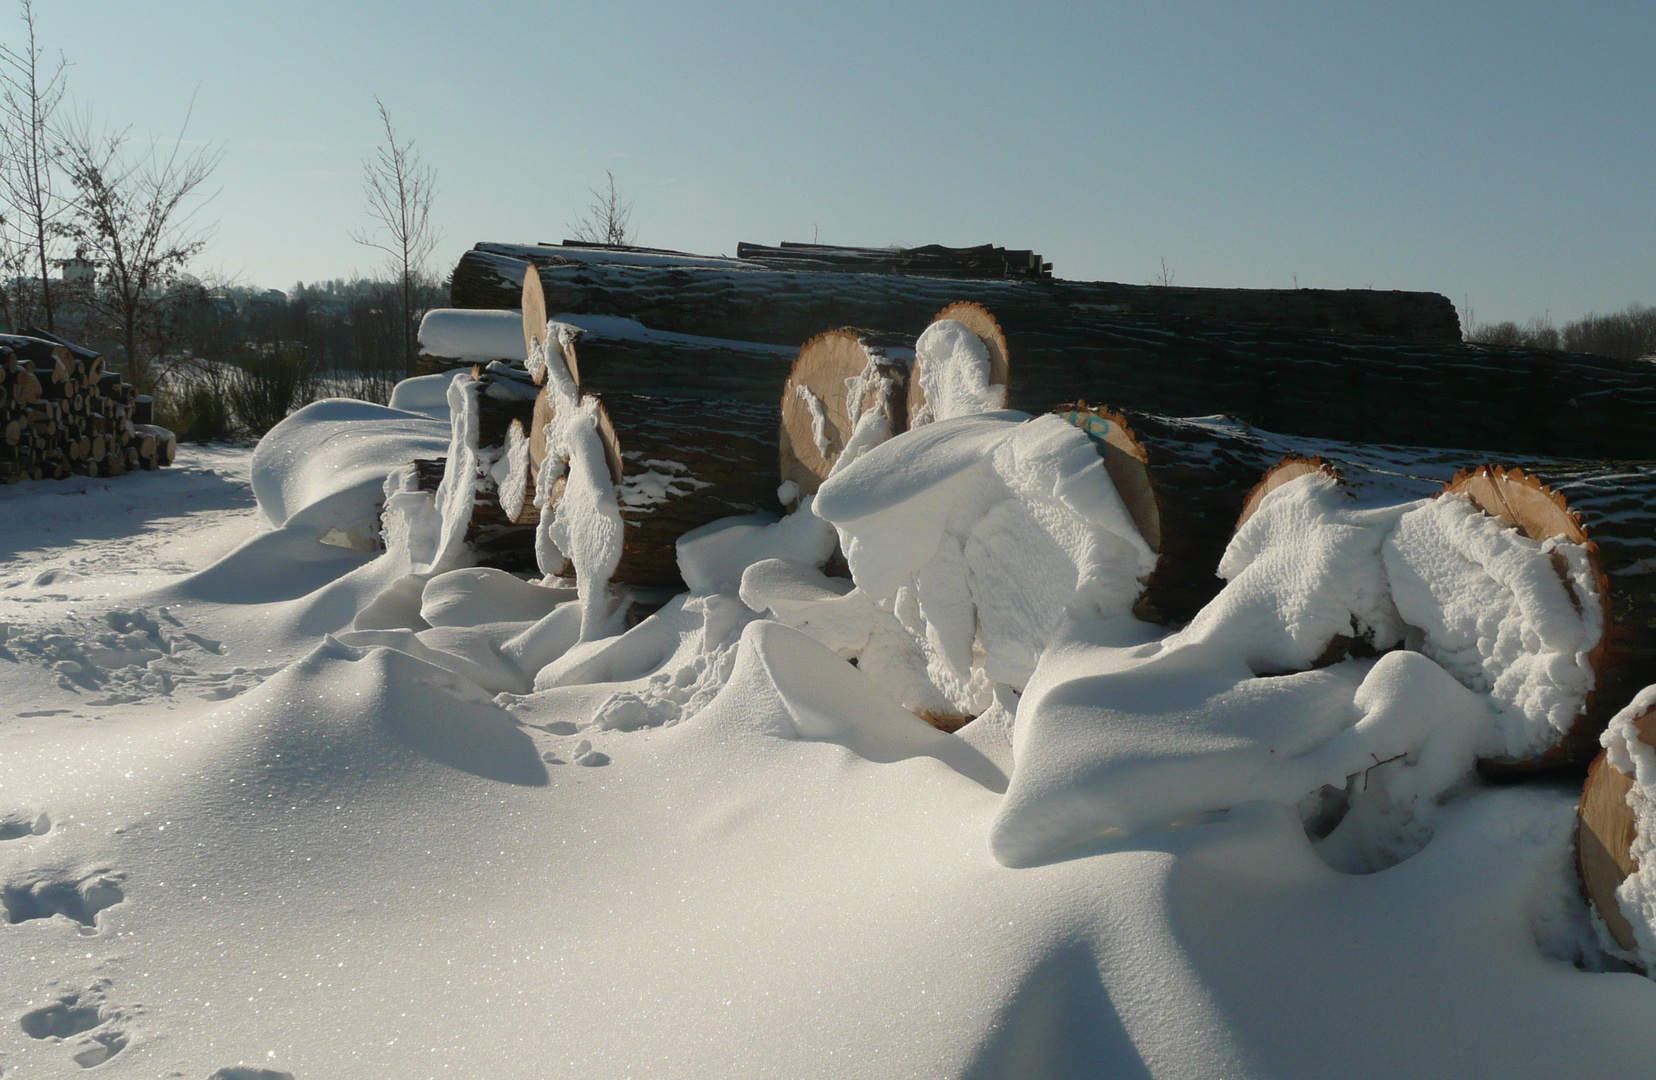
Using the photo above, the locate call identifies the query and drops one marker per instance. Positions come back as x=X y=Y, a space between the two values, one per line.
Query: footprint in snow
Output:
x=20 y=823
x=41 y=895
x=81 y=1016
x=249 y=1072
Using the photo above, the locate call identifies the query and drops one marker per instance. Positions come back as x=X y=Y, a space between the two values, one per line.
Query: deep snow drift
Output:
x=273 y=802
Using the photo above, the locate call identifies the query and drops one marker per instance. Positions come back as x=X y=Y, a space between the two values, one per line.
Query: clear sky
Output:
x=1503 y=154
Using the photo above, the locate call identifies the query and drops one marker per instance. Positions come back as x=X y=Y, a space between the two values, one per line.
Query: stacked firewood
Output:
x=62 y=414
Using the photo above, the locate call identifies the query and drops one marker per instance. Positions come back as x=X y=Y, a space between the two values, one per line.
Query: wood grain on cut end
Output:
x=1126 y=462
x=1521 y=500
x=978 y=319
x=1604 y=844
x=1289 y=468
x=817 y=391
x=534 y=312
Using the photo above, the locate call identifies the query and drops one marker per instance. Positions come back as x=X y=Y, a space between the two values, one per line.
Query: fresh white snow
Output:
x=272 y=803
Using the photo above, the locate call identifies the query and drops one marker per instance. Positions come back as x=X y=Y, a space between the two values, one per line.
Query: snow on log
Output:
x=1523 y=615
x=960 y=366
x=454 y=337
x=1064 y=342
x=1616 y=830
x=844 y=395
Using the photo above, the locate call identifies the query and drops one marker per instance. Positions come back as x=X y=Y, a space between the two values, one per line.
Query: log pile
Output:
x=62 y=414
x=729 y=419
x=745 y=299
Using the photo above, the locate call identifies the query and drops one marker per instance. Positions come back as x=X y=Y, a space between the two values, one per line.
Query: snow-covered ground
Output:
x=238 y=834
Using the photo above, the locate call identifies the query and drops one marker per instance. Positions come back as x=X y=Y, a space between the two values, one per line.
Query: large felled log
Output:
x=932 y=260
x=714 y=297
x=1064 y=346
x=679 y=464
x=1187 y=482
x=840 y=377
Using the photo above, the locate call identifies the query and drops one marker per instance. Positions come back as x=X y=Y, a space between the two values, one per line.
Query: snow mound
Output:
x=968 y=541
x=323 y=468
x=952 y=366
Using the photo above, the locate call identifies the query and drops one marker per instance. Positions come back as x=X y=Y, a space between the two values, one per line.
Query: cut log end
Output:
x=1288 y=469
x=838 y=377
x=1522 y=501
x=978 y=319
x=1605 y=833
x=1126 y=462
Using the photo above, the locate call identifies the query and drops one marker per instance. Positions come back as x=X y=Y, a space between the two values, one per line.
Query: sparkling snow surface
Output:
x=272 y=803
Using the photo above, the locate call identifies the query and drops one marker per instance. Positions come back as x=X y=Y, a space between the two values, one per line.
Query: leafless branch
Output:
x=606 y=220
x=36 y=211
x=136 y=215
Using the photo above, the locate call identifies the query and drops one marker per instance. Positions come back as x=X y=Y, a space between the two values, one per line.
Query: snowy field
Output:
x=271 y=805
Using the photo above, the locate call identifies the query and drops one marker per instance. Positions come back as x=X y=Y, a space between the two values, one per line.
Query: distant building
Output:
x=78 y=269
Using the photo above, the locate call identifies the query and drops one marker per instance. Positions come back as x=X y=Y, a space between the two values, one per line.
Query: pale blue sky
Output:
x=1499 y=153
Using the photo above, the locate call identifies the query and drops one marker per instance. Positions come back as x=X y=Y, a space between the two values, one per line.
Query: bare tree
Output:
x=400 y=192
x=30 y=93
x=606 y=220
x=135 y=215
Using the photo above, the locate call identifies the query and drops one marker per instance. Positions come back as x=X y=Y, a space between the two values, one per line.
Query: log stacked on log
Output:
x=1607 y=830
x=932 y=260
x=62 y=414
x=1243 y=358
x=740 y=298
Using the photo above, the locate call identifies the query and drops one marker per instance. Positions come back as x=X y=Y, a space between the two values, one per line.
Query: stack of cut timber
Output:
x=719 y=297
x=1304 y=363
x=932 y=260
x=62 y=414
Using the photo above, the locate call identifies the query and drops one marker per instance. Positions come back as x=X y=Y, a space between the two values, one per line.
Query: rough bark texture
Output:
x=1063 y=345
x=716 y=297
x=685 y=463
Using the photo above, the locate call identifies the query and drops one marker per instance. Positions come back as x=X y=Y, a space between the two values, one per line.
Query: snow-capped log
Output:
x=742 y=298
x=845 y=394
x=1340 y=381
x=960 y=365
x=1614 y=833
x=680 y=455
x=1618 y=662
x=1185 y=485
x=450 y=338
